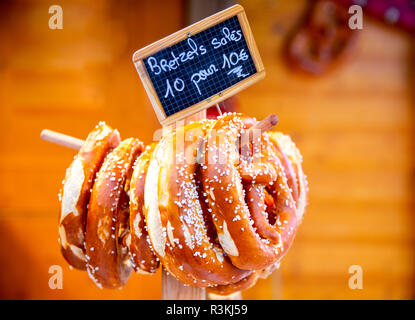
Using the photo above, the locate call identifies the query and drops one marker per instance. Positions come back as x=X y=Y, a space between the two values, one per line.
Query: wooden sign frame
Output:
x=139 y=55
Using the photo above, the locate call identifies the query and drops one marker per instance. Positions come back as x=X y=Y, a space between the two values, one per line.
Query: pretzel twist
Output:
x=214 y=214
x=108 y=260
x=180 y=230
x=76 y=192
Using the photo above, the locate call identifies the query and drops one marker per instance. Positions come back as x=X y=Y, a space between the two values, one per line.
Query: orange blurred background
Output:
x=354 y=126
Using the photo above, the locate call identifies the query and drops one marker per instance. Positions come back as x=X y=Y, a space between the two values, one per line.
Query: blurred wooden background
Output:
x=355 y=128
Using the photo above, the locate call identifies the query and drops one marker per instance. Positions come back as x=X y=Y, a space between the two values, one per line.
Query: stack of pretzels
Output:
x=213 y=211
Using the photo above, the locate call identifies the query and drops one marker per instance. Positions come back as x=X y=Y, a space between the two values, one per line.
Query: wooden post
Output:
x=173 y=289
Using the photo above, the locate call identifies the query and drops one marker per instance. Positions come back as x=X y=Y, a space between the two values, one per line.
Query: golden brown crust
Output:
x=76 y=192
x=175 y=218
x=240 y=232
x=142 y=255
x=289 y=150
x=243 y=284
x=107 y=221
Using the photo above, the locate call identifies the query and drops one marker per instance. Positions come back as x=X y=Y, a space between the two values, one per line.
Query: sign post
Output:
x=191 y=70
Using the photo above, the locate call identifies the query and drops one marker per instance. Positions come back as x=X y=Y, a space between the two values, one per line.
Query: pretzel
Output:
x=243 y=222
x=142 y=256
x=180 y=229
x=76 y=192
x=194 y=212
x=108 y=261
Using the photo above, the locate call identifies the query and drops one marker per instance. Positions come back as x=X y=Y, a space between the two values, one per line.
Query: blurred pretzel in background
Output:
x=322 y=38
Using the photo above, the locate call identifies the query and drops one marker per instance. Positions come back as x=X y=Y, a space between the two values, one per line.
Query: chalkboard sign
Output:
x=200 y=65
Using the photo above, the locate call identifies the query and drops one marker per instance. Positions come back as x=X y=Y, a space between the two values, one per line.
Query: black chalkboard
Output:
x=200 y=66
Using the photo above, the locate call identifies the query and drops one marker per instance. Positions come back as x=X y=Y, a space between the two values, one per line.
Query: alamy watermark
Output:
x=210 y=148
x=56 y=280
x=356 y=20
x=356 y=280
x=56 y=20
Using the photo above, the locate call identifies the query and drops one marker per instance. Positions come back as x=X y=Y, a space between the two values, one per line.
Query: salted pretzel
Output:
x=214 y=211
x=253 y=235
x=142 y=255
x=194 y=212
x=178 y=222
x=108 y=260
x=76 y=192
